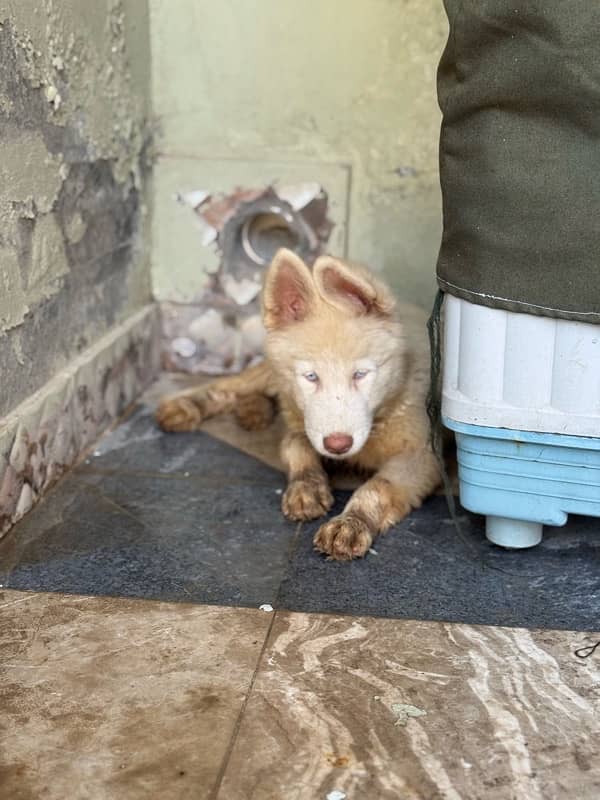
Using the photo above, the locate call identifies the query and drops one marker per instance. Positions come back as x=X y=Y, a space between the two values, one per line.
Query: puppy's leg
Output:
x=394 y=491
x=308 y=495
x=254 y=412
x=185 y=411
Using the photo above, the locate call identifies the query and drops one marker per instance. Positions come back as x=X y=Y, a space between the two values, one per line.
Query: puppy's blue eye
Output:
x=360 y=373
x=311 y=376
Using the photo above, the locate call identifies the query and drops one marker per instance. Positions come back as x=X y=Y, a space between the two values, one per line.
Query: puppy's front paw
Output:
x=344 y=538
x=178 y=414
x=307 y=498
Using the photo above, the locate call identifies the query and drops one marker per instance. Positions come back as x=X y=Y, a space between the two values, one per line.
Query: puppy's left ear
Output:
x=351 y=289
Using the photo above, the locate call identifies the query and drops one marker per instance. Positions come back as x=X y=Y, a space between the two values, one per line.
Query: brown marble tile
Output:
x=382 y=709
x=103 y=699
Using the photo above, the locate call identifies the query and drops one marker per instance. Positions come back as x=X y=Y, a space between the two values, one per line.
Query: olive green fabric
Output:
x=519 y=88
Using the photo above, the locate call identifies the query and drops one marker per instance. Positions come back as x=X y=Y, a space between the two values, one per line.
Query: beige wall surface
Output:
x=74 y=104
x=312 y=85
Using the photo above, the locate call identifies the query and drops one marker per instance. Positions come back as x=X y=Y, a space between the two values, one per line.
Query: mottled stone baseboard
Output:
x=47 y=433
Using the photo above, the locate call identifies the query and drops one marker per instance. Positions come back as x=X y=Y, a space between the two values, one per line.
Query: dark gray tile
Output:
x=212 y=533
x=138 y=446
x=424 y=570
x=188 y=517
x=146 y=537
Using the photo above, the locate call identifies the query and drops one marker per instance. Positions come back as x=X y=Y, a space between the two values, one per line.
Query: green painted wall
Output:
x=74 y=105
x=322 y=82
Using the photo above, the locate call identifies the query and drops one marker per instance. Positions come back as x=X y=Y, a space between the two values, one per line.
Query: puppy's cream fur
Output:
x=341 y=358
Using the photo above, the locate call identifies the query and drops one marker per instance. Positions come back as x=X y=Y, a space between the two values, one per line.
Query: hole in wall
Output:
x=222 y=331
x=264 y=234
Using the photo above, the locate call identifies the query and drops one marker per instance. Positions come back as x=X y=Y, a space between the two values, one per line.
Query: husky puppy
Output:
x=349 y=371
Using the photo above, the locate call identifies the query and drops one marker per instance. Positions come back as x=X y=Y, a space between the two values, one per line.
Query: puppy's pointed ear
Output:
x=289 y=295
x=351 y=289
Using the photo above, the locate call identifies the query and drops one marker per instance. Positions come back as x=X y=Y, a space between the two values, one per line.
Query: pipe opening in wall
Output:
x=263 y=234
x=222 y=330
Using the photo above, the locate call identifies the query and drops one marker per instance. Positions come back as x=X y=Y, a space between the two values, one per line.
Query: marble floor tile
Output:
x=402 y=710
x=105 y=699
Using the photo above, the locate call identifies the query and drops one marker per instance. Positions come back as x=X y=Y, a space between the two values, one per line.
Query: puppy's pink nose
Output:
x=338 y=443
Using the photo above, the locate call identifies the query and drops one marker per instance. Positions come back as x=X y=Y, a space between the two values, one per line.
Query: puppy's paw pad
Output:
x=344 y=538
x=178 y=414
x=304 y=500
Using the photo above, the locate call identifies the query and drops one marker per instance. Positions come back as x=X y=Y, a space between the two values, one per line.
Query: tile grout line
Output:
x=238 y=723
x=174 y=476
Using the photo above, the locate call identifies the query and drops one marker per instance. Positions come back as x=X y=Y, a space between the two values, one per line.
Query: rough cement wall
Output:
x=74 y=100
x=322 y=82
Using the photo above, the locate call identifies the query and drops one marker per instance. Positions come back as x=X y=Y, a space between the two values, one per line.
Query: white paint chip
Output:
x=373 y=551
x=336 y=795
x=241 y=291
x=184 y=347
x=209 y=329
x=266 y=607
x=195 y=198
x=208 y=235
x=299 y=195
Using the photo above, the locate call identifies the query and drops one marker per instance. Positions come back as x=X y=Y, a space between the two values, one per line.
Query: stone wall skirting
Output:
x=48 y=432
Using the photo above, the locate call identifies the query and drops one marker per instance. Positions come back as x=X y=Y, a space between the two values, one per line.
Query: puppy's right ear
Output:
x=289 y=295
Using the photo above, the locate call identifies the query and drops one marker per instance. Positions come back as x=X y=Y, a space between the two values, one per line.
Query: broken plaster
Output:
x=223 y=332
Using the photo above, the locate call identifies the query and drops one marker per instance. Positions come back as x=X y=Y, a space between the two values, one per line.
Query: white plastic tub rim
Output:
x=510 y=370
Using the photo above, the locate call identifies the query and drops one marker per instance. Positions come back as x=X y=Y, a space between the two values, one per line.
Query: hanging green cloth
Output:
x=519 y=88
